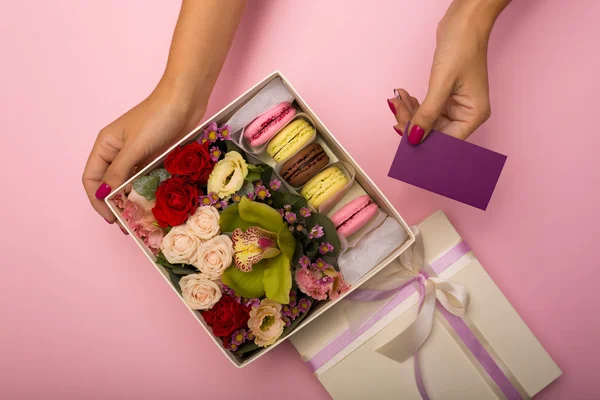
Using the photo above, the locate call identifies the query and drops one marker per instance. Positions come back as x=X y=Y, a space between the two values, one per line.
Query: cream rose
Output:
x=215 y=256
x=204 y=222
x=265 y=322
x=199 y=292
x=180 y=244
x=227 y=177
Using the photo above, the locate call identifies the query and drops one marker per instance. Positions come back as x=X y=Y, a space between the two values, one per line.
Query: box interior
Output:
x=336 y=153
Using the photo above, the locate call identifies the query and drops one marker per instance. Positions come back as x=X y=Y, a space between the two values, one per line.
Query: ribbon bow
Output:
x=413 y=269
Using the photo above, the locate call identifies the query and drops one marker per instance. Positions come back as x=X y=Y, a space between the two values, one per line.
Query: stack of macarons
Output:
x=354 y=215
x=288 y=138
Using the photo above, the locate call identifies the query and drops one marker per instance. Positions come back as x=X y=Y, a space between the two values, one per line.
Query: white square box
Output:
x=335 y=148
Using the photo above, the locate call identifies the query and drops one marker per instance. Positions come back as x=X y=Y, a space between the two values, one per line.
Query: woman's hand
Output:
x=135 y=139
x=457 y=101
x=203 y=35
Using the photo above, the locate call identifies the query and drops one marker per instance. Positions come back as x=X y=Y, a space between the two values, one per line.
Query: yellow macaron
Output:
x=290 y=139
x=324 y=186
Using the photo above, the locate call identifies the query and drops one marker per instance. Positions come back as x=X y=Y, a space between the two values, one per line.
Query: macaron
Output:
x=266 y=125
x=324 y=186
x=354 y=215
x=304 y=165
x=290 y=139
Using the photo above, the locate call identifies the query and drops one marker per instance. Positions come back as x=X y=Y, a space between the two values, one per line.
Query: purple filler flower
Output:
x=290 y=217
x=294 y=311
x=320 y=265
x=238 y=337
x=214 y=197
x=293 y=298
x=304 y=262
x=250 y=196
x=325 y=248
x=280 y=210
x=285 y=311
x=275 y=184
x=236 y=198
x=287 y=207
x=261 y=192
x=211 y=132
x=215 y=153
x=316 y=232
x=255 y=302
x=305 y=212
x=205 y=201
x=224 y=132
x=304 y=305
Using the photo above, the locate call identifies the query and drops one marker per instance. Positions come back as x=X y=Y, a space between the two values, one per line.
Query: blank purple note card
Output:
x=451 y=167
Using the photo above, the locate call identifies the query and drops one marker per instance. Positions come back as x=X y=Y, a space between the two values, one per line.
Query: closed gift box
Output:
x=239 y=114
x=496 y=356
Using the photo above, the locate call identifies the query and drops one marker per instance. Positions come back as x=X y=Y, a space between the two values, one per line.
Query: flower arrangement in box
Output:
x=252 y=258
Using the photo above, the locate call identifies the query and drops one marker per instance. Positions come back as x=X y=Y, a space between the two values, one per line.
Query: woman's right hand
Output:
x=136 y=138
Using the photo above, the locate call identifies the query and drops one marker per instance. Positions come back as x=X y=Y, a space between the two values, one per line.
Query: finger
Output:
x=120 y=169
x=414 y=103
x=402 y=108
x=104 y=151
x=430 y=111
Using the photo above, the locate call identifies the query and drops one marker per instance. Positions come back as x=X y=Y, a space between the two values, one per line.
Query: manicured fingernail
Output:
x=123 y=230
x=398 y=131
x=392 y=107
x=108 y=221
x=415 y=135
x=103 y=191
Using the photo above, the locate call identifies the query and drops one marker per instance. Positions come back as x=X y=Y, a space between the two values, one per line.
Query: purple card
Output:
x=451 y=167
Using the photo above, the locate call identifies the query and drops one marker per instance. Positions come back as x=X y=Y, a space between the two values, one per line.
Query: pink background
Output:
x=83 y=315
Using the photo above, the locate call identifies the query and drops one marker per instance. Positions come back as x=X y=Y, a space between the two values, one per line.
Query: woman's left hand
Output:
x=457 y=101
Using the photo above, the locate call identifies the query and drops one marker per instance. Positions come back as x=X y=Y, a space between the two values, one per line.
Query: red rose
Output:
x=191 y=161
x=227 y=316
x=176 y=198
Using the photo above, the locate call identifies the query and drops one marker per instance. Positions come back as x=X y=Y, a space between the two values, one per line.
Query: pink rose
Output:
x=199 y=292
x=314 y=283
x=137 y=212
x=266 y=323
x=205 y=222
x=180 y=245
x=215 y=256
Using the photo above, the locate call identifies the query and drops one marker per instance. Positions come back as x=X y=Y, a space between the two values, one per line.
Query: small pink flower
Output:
x=325 y=248
x=310 y=283
x=224 y=132
x=211 y=133
x=290 y=217
x=137 y=212
x=316 y=232
x=304 y=262
x=261 y=192
x=275 y=184
x=305 y=212
x=215 y=153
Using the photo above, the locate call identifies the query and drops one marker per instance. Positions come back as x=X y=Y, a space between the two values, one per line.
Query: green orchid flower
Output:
x=265 y=249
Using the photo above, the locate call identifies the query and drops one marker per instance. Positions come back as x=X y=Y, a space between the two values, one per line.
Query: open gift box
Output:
x=237 y=115
x=431 y=324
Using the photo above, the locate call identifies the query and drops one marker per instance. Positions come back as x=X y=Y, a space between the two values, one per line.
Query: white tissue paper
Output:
x=268 y=97
x=371 y=249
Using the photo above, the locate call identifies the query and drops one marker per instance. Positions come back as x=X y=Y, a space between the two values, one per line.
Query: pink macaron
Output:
x=266 y=125
x=354 y=215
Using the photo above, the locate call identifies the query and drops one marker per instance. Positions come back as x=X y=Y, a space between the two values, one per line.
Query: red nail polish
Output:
x=123 y=230
x=103 y=191
x=108 y=221
x=415 y=135
x=392 y=107
x=398 y=131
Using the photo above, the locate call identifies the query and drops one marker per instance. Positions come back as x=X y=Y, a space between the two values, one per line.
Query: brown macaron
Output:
x=304 y=165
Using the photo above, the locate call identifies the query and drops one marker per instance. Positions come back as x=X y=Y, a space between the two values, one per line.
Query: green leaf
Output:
x=330 y=234
x=311 y=248
x=161 y=173
x=286 y=241
x=255 y=168
x=277 y=278
x=184 y=270
x=246 y=284
x=161 y=260
x=246 y=347
x=252 y=176
x=230 y=219
x=146 y=186
x=266 y=174
x=174 y=279
x=280 y=199
x=259 y=214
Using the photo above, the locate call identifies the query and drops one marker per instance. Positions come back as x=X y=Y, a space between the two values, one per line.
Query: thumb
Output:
x=121 y=168
x=429 y=112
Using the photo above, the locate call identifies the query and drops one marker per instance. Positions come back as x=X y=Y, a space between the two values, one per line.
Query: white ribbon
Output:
x=454 y=297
